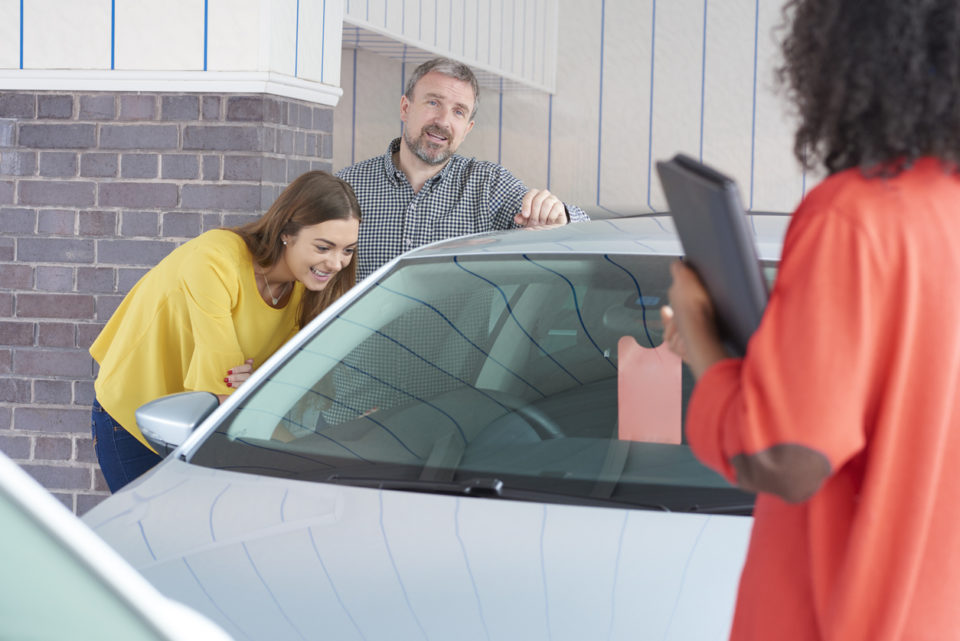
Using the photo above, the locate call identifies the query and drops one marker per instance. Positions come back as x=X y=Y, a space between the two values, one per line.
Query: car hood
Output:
x=276 y=559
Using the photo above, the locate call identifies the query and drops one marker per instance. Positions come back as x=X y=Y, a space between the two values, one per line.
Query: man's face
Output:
x=437 y=119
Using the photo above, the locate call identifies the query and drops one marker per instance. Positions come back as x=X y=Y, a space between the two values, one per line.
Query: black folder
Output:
x=717 y=244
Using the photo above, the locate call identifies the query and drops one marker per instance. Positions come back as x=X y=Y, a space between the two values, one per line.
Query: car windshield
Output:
x=520 y=376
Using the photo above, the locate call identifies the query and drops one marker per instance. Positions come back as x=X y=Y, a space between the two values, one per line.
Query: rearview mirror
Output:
x=167 y=421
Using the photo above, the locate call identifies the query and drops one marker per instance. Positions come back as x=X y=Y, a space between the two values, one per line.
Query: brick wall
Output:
x=95 y=189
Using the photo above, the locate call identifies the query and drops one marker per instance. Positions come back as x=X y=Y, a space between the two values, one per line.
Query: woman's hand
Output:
x=689 y=321
x=237 y=375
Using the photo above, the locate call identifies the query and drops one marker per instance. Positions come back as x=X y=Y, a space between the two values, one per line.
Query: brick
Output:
x=6 y=418
x=16 y=447
x=272 y=110
x=269 y=140
x=98 y=107
x=59 y=477
x=180 y=166
x=7 y=191
x=6 y=306
x=99 y=483
x=86 y=502
x=268 y=194
x=178 y=224
x=321 y=165
x=326 y=146
x=106 y=306
x=8 y=132
x=58 y=136
x=211 y=107
x=16 y=333
x=77 y=306
x=6 y=362
x=212 y=221
x=16 y=277
x=211 y=167
x=56 y=335
x=242 y=168
x=296 y=168
x=245 y=108
x=300 y=143
x=284 y=142
x=139 y=137
x=87 y=333
x=139 y=223
x=139 y=165
x=18 y=105
x=229 y=197
x=55 y=278
x=14 y=390
x=55 y=250
x=83 y=394
x=96 y=280
x=99 y=165
x=59 y=222
x=98 y=223
x=18 y=163
x=50 y=362
x=52 y=392
x=127 y=278
x=133 y=252
x=18 y=221
x=66 y=498
x=311 y=144
x=274 y=170
x=54 y=106
x=323 y=119
x=6 y=246
x=235 y=220
x=138 y=107
x=53 y=448
x=57 y=194
x=58 y=164
x=140 y=195
x=179 y=108
x=221 y=138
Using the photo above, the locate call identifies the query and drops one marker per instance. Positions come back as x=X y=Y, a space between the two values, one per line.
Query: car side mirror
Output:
x=166 y=422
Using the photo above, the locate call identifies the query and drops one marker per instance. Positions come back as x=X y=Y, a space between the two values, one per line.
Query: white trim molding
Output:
x=170 y=81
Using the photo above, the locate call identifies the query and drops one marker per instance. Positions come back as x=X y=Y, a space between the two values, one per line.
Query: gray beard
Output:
x=420 y=151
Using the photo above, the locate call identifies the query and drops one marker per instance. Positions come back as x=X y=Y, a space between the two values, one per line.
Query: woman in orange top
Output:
x=228 y=296
x=844 y=415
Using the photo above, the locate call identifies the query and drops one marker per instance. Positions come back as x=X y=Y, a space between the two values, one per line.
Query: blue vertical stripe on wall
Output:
x=368 y=11
x=549 y=136
x=500 y=126
x=603 y=30
x=703 y=76
x=206 y=31
x=113 y=33
x=753 y=124
x=353 y=121
x=653 y=42
x=323 y=39
x=21 y=38
x=296 y=44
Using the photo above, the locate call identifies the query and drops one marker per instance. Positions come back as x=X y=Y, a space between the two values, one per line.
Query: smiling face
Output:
x=437 y=118
x=317 y=253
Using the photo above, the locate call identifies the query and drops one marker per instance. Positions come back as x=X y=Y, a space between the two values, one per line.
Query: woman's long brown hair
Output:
x=312 y=198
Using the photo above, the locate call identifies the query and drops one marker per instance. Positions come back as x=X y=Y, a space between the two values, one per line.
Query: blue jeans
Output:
x=122 y=457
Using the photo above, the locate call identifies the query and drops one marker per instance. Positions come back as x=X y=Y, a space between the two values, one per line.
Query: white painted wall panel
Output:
x=283 y=37
x=53 y=41
x=10 y=34
x=159 y=36
x=231 y=22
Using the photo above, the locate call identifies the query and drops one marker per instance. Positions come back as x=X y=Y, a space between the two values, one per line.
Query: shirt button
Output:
x=408 y=242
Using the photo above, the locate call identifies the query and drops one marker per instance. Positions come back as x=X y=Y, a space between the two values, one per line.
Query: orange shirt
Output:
x=857 y=357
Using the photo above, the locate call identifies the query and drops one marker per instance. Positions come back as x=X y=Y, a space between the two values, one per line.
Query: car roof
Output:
x=648 y=234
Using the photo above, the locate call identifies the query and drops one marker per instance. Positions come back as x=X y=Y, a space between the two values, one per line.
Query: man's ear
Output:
x=404 y=107
x=469 y=127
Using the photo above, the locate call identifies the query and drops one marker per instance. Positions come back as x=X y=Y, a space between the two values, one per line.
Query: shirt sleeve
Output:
x=210 y=284
x=506 y=200
x=808 y=374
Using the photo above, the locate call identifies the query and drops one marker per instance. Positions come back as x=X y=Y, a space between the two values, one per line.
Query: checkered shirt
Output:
x=467 y=196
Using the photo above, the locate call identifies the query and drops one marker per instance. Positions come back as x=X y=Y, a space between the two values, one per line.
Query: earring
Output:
x=284 y=242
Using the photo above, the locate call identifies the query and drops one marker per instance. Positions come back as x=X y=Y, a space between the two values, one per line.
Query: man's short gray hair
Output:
x=447 y=67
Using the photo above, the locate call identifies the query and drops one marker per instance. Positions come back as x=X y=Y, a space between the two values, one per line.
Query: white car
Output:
x=60 y=581
x=482 y=440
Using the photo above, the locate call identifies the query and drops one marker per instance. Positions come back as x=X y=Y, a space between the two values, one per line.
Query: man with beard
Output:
x=421 y=190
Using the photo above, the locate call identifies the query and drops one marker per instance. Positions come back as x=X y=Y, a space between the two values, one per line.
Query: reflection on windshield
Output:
x=511 y=368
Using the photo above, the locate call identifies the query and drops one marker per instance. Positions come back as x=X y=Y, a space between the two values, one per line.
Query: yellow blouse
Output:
x=185 y=323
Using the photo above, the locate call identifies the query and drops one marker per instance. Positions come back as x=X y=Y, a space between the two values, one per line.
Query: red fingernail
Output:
x=229 y=384
x=229 y=371
x=226 y=380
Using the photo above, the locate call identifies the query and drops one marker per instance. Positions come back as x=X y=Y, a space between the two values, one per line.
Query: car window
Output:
x=515 y=369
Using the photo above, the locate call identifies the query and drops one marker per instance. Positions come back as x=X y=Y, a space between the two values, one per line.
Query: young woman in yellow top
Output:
x=228 y=296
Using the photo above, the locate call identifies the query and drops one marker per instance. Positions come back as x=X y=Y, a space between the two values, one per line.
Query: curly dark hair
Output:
x=876 y=82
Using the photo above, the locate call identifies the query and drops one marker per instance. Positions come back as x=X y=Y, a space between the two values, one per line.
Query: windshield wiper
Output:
x=479 y=486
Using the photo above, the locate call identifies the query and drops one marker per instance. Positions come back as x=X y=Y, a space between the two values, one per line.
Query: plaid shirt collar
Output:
x=395 y=175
